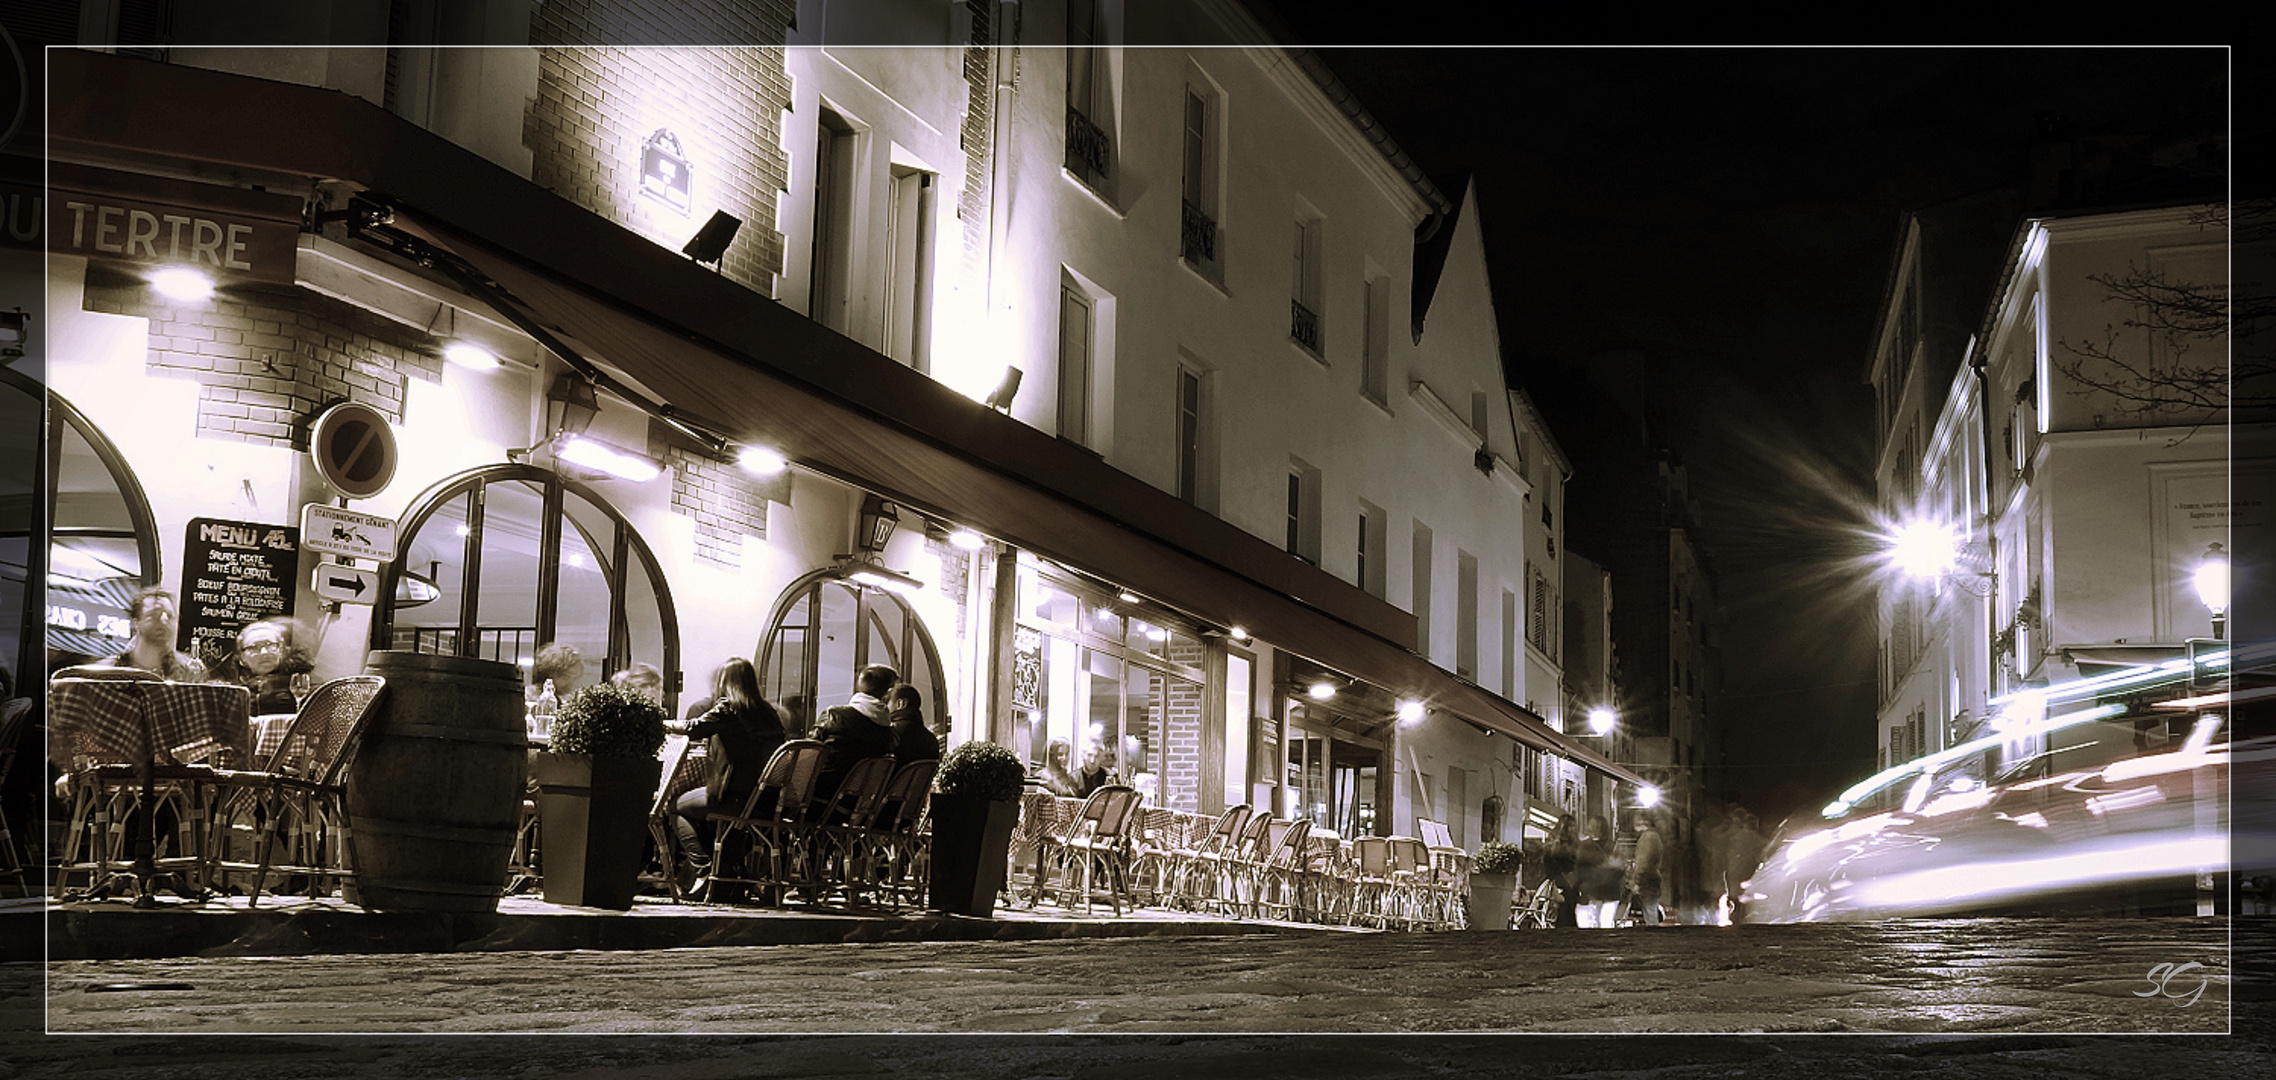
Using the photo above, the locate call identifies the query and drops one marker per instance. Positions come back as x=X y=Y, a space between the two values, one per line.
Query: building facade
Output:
x=2075 y=494
x=1085 y=384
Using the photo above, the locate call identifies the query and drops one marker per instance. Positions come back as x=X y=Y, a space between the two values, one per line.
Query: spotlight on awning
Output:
x=710 y=243
x=1322 y=690
x=1410 y=711
x=967 y=540
x=1000 y=399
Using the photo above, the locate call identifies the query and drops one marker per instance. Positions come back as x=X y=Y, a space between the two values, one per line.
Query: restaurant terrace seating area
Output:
x=174 y=788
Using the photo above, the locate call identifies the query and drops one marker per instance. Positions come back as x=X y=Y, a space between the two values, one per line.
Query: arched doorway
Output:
x=825 y=629
x=100 y=543
x=501 y=560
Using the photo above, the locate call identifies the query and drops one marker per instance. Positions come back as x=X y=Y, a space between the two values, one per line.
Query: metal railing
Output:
x=1304 y=326
x=1088 y=148
x=1197 y=235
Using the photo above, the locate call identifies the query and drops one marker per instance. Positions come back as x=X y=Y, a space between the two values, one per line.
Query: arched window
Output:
x=825 y=629
x=497 y=562
x=102 y=539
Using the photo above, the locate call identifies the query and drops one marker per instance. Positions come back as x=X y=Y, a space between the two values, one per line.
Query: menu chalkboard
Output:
x=233 y=573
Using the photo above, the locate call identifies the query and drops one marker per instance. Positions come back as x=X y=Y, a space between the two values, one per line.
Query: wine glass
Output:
x=302 y=683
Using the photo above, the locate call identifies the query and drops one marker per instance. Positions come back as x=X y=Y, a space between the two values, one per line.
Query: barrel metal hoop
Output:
x=457 y=734
x=421 y=831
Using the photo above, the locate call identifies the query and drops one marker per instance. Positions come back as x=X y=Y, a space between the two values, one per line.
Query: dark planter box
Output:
x=971 y=852
x=593 y=826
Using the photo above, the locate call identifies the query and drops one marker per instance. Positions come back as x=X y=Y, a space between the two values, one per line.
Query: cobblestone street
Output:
x=1910 y=976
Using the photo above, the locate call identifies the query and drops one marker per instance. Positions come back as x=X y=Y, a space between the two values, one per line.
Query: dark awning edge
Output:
x=821 y=398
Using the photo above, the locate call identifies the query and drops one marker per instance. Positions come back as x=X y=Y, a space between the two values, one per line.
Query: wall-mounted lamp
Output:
x=710 y=242
x=579 y=403
x=1601 y=720
x=1000 y=399
x=182 y=283
x=1239 y=634
x=1411 y=711
x=861 y=571
x=878 y=520
x=1321 y=690
x=1128 y=597
x=967 y=540
x=612 y=460
x=761 y=460
x=413 y=588
x=1647 y=795
x=470 y=356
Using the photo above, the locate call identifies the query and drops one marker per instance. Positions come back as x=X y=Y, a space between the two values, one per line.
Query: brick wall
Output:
x=597 y=105
x=976 y=138
x=264 y=360
x=723 y=504
x=1181 y=752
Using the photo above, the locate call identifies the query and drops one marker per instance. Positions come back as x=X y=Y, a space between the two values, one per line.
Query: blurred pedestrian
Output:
x=1560 y=860
x=1602 y=878
x=1647 y=871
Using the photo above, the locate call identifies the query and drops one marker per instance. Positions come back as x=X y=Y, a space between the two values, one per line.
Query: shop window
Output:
x=1099 y=674
x=502 y=561
x=825 y=630
x=102 y=541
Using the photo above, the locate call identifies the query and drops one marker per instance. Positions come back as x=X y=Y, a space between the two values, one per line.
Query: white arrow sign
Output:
x=334 y=531
x=346 y=584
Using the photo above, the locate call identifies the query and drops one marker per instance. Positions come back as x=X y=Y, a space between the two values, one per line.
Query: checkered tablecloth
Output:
x=102 y=720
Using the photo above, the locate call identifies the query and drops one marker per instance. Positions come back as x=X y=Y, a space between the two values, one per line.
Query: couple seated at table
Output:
x=268 y=657
x=884 y=718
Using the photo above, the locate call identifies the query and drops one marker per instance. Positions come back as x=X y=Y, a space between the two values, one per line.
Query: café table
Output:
x=144 y=732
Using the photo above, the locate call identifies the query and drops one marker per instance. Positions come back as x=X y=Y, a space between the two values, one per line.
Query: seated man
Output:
x=854 y=731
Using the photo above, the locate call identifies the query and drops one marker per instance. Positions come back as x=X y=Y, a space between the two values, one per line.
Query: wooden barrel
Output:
x=435 y=792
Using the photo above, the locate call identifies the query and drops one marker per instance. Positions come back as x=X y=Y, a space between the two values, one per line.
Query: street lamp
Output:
x=2212 y=581
x=1936 y=550
x=1601 y=720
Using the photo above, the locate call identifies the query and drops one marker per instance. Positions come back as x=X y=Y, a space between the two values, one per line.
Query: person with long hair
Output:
x=744 y=731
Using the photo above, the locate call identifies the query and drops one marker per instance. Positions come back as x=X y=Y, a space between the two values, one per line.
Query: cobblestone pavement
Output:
x=2037 y=988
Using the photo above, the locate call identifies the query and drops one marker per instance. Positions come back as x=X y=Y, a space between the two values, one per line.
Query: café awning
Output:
x=740 y=364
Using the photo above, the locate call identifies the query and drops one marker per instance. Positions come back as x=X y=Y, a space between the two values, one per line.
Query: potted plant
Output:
x=1493 y=878
x=975 y=806
x=595 y=788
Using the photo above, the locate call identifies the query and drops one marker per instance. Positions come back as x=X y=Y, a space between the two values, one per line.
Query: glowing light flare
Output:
x=967 y=540
x=1322 y=690
x=761 y=460
x=2120 y=801
x=1647 y=796
x=1966 y=883
x=1410 y=711
x=622 y=464
x=1240 y=633
x=2212 y=580
x=1601 y=720
x=1924 y=549
x=182 y=283
x=470 y=356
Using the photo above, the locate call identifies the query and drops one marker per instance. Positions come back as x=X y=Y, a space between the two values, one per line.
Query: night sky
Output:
x=1707 y=232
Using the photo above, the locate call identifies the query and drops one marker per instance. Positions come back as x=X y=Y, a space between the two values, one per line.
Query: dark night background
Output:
x=1704 y=234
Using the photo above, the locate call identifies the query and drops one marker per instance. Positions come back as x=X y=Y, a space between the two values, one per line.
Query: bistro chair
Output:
x=683 y=772
x=841 y=833
x=1274 y=881
x=897 y=840
x=1038 y=820
x=1204 y=846
x=1371 y=883
x=1161 y=832
x=15 y=718
x=299 y=797
x=1097 y=839
x=1216 y=876
x=1416 y=891
x=769 y=834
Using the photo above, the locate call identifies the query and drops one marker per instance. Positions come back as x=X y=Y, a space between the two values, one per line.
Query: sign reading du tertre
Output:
x=161 y=222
